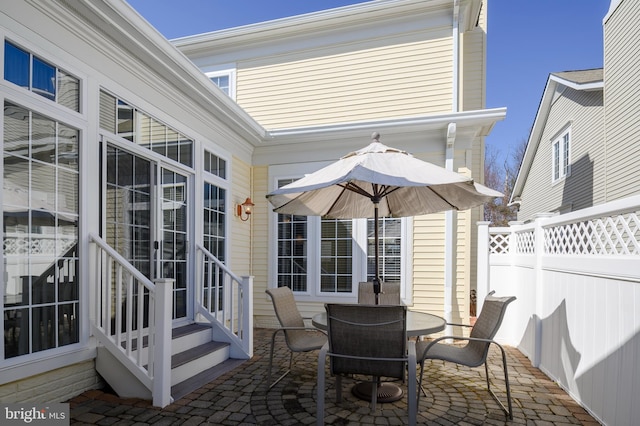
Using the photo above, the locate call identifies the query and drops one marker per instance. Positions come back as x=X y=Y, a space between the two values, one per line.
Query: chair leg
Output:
x=322 y=360
x=509 y=411
x=424 y=392
x=269 y=384
x=374 y=393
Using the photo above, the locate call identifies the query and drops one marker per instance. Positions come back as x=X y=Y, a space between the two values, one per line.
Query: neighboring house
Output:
x=123 y=165
x=584 y=147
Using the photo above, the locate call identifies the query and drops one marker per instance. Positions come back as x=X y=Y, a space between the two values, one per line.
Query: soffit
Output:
x=415 y=134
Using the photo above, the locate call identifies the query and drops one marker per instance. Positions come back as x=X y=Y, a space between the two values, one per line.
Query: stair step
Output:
x=194 y=353
x=187 y=386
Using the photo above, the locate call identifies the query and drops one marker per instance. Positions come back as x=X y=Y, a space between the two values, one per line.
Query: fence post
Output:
x=162 y=343
x=539 y=248
x=247 y=314
x=483 y=268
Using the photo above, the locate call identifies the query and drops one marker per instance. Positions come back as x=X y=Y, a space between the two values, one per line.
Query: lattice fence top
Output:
x=615 y=235
x=499 y=243
x=526 y=242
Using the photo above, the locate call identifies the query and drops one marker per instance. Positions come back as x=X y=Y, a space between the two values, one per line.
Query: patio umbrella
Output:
x=379 y=181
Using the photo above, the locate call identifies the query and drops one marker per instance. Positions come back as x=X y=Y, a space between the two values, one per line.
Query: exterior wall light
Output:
x=243 y=211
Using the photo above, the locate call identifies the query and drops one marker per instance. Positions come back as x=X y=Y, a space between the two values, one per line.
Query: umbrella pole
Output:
x=376 y=279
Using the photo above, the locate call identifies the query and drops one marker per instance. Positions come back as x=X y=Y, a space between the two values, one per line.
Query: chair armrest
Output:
x=468 y=339
x=459 y=325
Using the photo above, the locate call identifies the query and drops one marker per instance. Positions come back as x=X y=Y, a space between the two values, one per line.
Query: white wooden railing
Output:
x=225 y=301
x=577 y=316
x=122 y=322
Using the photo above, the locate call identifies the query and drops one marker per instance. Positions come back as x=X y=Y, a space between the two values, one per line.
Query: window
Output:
x=326 y=258
x=225 y=80
x=215 y=165
x=336 y=262
x=389 y=249
x=40 y=77
x=117 y=116
x=292 y=249
x=40 y=239
x=561 y=153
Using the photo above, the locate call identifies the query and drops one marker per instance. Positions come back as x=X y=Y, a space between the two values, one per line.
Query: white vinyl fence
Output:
x=577 y=314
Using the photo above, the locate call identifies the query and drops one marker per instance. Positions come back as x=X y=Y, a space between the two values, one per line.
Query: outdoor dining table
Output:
x=418 y=324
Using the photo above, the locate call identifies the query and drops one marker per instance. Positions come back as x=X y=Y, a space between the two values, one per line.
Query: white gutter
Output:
x=450 y=215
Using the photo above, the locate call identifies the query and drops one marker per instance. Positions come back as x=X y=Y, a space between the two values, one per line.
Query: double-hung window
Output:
x=561 y=149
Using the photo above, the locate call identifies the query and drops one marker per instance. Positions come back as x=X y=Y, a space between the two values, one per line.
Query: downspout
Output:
x=450 y=215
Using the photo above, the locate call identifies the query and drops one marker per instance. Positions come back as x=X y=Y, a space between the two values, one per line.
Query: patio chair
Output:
x=298 y=337
x=475 y=352
x=389 y=295
x=367 y=340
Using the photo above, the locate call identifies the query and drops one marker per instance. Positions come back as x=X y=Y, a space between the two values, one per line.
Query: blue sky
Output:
x=527 y=40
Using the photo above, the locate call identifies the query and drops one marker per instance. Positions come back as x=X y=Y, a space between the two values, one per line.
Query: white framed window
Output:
x=225 y=80
x=324 y=259
x=23 y=68
x=561 y=156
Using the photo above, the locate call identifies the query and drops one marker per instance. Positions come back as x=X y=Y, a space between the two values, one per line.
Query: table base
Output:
x=387 y=392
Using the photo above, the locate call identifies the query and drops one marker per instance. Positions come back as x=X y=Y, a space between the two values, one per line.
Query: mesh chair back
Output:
x=284 y=304
x=487 y=325
x=390 y=294
x=358 y=334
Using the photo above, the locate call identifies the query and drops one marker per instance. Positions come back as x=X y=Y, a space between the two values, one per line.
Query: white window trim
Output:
x=231 y=73
x=559 y=140
x=359 y=271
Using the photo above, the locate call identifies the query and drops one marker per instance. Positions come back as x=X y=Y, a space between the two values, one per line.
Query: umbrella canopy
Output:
x=379 y=181
x=398 y=183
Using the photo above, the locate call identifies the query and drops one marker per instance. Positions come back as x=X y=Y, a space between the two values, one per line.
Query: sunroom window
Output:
x=128 y=122
x=37 y=75
x=40 y=239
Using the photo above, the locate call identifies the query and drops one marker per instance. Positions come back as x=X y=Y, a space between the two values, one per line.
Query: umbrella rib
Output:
x=344 y=188
x=355 y=188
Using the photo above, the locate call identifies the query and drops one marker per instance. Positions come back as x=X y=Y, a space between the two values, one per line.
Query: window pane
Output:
x=43 y=139
x=335 y=255
x=389 y=247
x=68 y=147
x=107 y=112
x=44 y=79
x=16 y=130
x=16 y=65
x=68 y=91
x=125 y=121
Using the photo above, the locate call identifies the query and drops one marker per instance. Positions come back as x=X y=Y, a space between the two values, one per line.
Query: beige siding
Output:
x=473 y=64
x=622 y=91
x=383 y=82
x=53 y=386
x=583 y=188
x=240 y=241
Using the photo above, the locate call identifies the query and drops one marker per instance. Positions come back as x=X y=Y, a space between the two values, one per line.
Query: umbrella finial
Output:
x=375 y=136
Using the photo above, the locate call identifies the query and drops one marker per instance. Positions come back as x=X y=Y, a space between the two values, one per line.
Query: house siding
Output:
x=53 y=386
x=583 y=112
x=383 y=82
x=622 y=91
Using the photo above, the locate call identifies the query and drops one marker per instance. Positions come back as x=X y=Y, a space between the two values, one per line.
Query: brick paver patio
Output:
x=455 y=396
